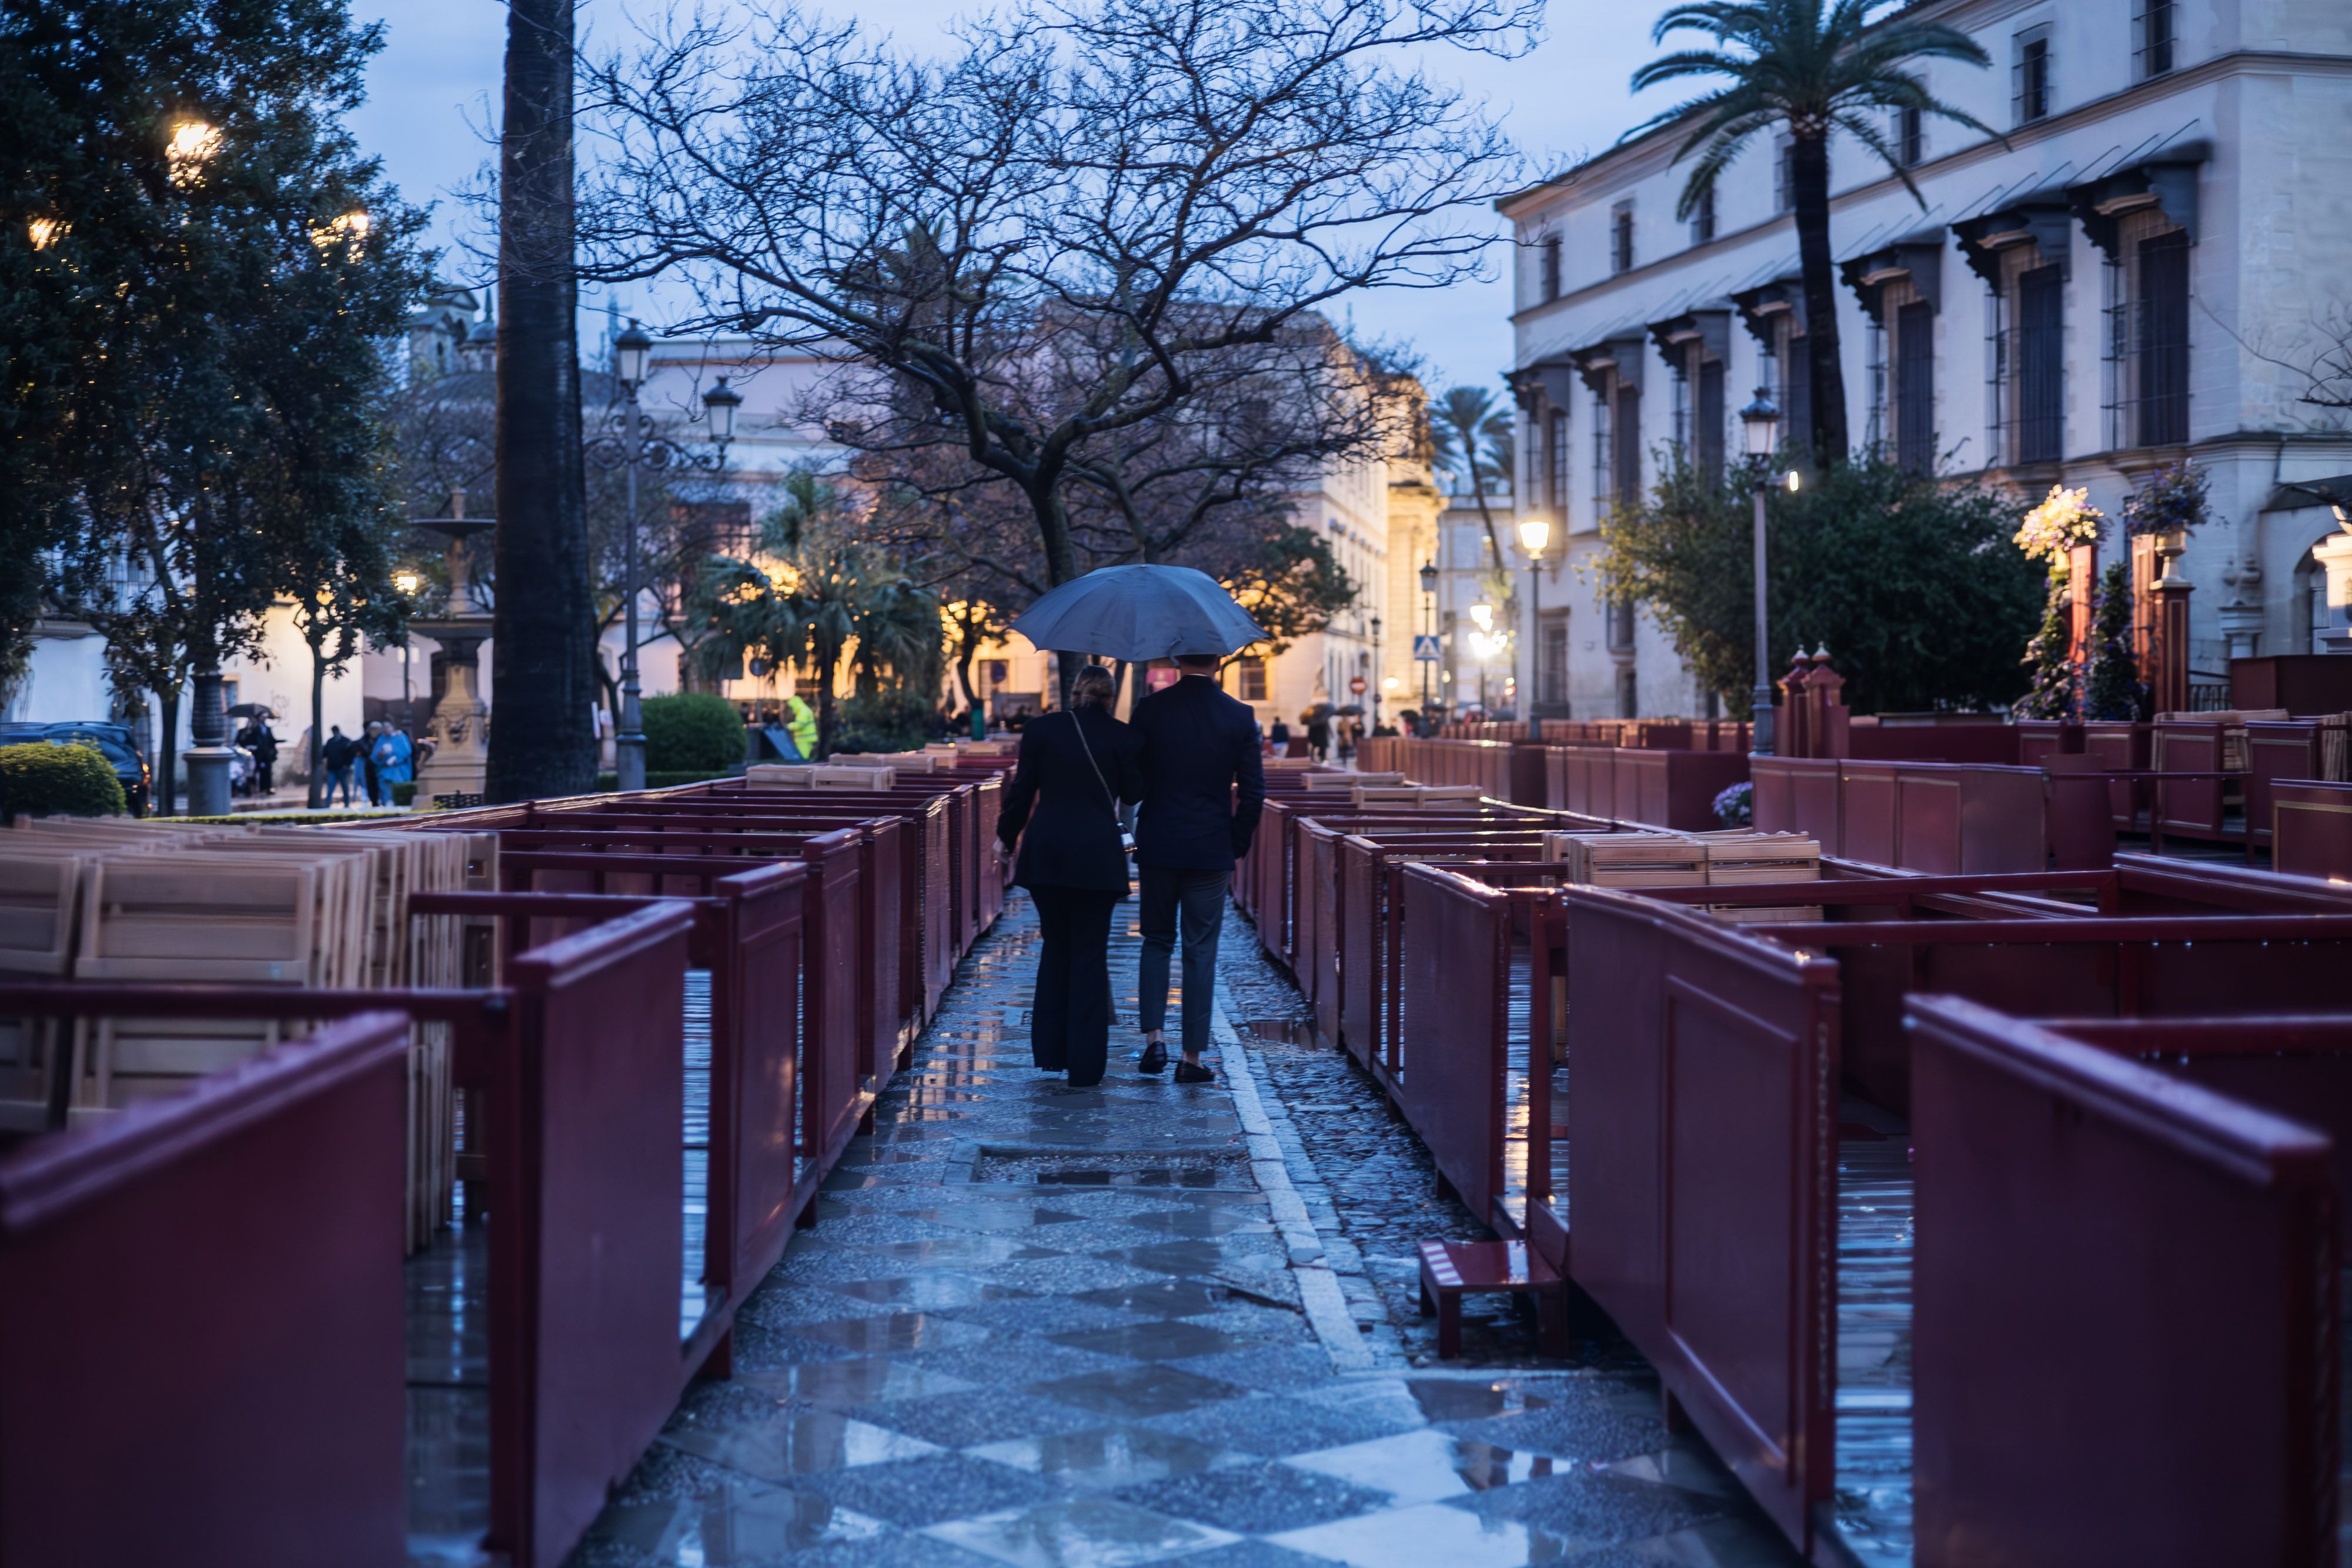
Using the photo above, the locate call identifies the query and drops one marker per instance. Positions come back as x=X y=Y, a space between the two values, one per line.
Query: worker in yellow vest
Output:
x=800 y=721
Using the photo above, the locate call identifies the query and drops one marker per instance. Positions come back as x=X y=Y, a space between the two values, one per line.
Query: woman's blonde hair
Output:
x=1092 y=688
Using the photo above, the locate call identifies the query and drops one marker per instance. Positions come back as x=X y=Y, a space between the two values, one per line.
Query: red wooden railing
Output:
x=203 y=1361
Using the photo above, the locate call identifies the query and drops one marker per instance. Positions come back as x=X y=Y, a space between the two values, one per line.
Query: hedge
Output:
x=38 y=778
x=692 y=732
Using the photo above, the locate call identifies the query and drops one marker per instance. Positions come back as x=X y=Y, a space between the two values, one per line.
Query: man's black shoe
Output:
x=1155 y=1058
x=1194 y=1073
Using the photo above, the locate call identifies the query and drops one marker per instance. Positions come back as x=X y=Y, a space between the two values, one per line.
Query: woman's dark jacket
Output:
x=1074 y=824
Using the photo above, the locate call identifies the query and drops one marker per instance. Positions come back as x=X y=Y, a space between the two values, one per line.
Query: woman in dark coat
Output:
x=1075 y=768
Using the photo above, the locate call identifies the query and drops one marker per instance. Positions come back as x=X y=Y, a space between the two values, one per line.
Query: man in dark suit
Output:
x=1204 y=789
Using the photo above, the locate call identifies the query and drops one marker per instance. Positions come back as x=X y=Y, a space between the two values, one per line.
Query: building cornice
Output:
x=1620 y=162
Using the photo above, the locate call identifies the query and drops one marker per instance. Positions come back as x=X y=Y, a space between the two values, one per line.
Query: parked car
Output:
x=113 y=740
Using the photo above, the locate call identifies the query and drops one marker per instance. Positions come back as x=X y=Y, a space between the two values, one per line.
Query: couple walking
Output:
x=1190 y=758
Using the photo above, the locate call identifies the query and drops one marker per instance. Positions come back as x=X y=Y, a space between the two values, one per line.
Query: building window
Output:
x=1549 y=266
x=1620 y=237
x=2030 y=75
x=1915 y=385
x=1702 y=226
x=1710 y=419
x=1796 y=389
x=1874 y=370
x=1604 y=453
x=1678 y=405
x=1249 y=677
x=2148 y=332
x=1552 y=679
x=1621 y=623
x=1629 y=696
x=2155 y=41
x=1784 y=174
x=2029 y=362
x=1910 y=137
x=1556 y=452
x=1625 y=467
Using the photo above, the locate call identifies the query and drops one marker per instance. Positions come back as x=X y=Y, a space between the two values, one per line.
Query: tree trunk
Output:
x=317 y=796
x=1494 y=540
x=543 y=737
x=1809 y=189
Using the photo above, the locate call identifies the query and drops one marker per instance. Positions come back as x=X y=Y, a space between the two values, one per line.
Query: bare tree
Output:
x=1067 y=230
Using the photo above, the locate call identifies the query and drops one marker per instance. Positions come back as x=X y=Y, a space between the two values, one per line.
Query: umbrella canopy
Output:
x=253 y=710
x=1140 y=612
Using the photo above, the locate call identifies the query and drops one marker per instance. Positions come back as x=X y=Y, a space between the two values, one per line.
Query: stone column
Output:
x=1792 y=737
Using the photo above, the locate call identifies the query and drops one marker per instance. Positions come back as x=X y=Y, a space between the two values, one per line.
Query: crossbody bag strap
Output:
x=1110 y=798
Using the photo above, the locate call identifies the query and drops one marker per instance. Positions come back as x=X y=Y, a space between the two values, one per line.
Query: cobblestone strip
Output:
x=1320 y=1289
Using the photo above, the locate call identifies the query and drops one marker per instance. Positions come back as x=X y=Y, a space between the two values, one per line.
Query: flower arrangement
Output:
x=2065 y=518
x=1736 y=807
x=2173 y=499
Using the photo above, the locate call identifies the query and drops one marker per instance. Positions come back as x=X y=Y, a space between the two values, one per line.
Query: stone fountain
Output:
x=459 y=727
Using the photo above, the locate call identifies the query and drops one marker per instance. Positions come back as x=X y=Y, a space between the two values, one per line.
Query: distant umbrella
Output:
x=253 y=710
x=1138 y=613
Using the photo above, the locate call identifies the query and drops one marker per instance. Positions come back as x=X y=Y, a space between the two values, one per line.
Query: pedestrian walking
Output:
x=1318 y=734
x=365 y=761
x=1278 y=739
x=1204 y=789
x=394 y=756
x=264 y=747
x=337 y=756
x=1074 y=768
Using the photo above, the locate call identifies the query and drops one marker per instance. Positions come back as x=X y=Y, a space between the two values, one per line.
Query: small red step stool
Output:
x=1450 y=1269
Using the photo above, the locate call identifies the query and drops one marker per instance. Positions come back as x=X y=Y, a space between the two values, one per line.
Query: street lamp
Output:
x=1482 y=644
x=407 y=582
x=1375 y=682
x=1759 y=425
x=631 y=360
x=1535 y=533
x=1429 y=627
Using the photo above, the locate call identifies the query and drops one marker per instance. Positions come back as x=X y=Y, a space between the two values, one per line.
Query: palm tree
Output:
x=544 y=651
x=1814 y=67
x=817 y=594
x=1473 y=437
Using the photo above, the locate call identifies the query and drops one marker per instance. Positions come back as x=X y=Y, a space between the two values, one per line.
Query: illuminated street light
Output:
x=45 y=232
x=191 y=146
x=345 y=232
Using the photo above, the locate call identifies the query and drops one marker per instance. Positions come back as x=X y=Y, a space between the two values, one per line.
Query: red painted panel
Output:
x=1867 y=813
x=2313 y=826
x=2084 y=1220
x=203 y=1357
x=585 y=1159
x=761 y=996
x=1927 y=822
x=1456 y=996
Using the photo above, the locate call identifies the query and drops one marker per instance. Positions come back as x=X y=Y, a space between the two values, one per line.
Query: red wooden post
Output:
x=2082 y=582
x=2171 y=675
x=1791 y=738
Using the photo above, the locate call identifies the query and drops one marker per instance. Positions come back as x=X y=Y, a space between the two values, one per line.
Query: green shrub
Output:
x=896 y=718
x=692 y=732
x=403 y=792
x=39 y=780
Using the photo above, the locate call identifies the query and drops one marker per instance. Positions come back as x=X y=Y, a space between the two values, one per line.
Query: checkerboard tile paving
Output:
x=1102 y=1367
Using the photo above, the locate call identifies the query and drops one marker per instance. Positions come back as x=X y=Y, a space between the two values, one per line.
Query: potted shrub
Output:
x=39 y=778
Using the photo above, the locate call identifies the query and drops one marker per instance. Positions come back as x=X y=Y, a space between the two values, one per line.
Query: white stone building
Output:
x=2148 y=270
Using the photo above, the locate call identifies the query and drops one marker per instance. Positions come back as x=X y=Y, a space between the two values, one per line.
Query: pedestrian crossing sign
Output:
x=1425 y=650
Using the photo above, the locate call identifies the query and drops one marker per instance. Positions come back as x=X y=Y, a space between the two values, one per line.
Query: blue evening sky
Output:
x=433 y=91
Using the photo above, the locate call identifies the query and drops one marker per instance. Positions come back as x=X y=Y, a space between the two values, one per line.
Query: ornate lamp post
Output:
x=1535 y=533
x=1375 y=682
x=632 y=356
x=1428 y=626
x=1759 y=425
x=1483 y=615
x=408 y=582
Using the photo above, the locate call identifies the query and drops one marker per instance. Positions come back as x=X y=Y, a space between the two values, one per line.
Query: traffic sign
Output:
x=1425 y=650
x=1357 y=685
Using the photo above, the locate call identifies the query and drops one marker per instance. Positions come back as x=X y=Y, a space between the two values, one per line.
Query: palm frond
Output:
x=1720 y=152
x=1870 y=131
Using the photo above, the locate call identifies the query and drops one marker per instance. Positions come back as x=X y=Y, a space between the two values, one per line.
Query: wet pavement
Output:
x=1142 y=1324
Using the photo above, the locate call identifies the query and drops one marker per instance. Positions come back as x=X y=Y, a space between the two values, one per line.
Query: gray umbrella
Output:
x=1140 y=612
